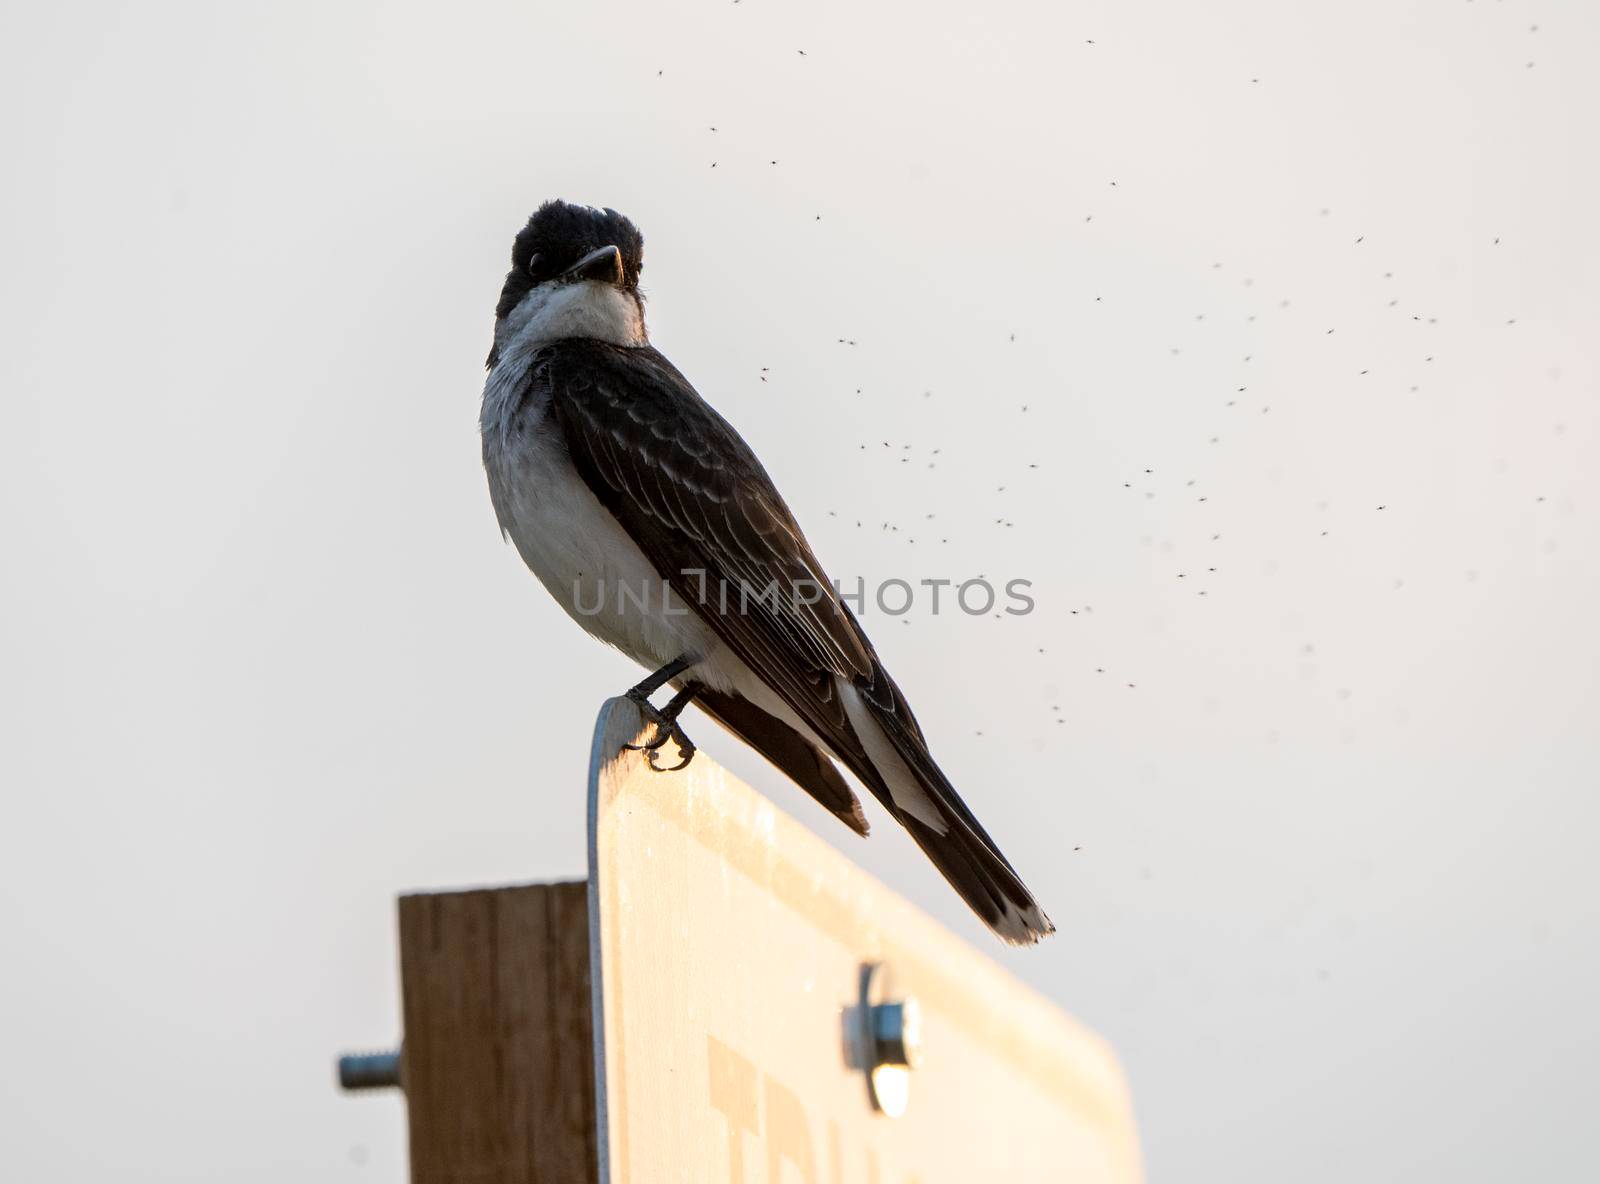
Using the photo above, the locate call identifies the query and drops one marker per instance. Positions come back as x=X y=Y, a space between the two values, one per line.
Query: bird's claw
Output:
x=686 y=751
x=663 y=734
x=654 y=714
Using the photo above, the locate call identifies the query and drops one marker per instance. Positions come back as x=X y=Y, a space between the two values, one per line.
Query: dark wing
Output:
x=692 y=495
x=694 y=498
x=804 y=763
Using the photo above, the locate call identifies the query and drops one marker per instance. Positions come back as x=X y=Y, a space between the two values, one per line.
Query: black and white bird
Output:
x=616 y=482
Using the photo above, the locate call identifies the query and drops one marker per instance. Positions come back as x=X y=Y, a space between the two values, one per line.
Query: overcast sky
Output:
x=1261 y=337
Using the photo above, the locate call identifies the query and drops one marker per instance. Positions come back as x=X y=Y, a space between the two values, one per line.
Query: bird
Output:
x=614 y=479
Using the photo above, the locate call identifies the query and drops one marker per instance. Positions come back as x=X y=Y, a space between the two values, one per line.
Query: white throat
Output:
x=556 y=312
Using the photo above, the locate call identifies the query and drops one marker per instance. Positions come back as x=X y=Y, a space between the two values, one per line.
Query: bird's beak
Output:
x=604 y=265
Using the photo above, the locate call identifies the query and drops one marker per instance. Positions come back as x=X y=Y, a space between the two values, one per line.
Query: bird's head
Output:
x=574 y=273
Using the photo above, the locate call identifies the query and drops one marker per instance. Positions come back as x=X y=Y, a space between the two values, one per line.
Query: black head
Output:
x=558 y=237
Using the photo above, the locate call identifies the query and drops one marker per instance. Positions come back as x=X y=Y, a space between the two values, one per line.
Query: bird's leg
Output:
x=641 y=694
x=665 y=718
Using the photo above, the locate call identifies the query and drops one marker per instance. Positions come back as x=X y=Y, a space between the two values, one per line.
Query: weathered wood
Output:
x=499 y=1058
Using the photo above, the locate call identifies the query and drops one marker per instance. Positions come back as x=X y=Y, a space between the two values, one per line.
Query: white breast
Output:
x=572 y=543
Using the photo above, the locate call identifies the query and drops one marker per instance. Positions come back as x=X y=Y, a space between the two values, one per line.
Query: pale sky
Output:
x=1292 y=305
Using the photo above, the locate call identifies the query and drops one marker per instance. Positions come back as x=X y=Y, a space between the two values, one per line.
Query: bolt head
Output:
x=897 y=1033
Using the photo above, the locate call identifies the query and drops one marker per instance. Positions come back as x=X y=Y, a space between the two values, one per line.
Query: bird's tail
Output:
x=905 y=778
x=985 y=881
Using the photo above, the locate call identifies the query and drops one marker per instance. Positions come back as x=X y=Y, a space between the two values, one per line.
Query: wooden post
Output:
x=499 y=1045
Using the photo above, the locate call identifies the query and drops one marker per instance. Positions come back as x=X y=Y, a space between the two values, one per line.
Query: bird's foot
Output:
x=667 y=727
x=663 y=723
x=686 y=751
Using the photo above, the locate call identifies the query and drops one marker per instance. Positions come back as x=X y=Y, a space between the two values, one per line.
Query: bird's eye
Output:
x=533 y=265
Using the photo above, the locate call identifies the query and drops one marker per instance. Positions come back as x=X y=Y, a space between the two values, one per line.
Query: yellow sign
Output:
x=750 y=980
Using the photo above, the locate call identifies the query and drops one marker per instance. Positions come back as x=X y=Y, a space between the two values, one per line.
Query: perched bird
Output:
x=656 y=528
